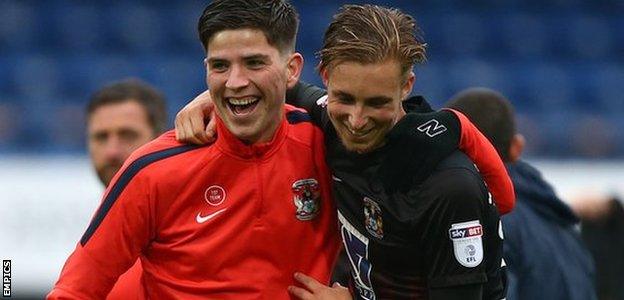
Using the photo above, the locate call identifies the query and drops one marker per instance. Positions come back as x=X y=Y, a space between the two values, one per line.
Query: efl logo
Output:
x=6 y=278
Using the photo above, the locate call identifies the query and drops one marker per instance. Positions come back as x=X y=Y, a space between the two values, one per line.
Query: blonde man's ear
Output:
x=408 y=85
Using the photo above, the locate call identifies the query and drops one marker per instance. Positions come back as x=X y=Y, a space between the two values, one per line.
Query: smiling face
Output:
x=364 y=101
x=248 y=79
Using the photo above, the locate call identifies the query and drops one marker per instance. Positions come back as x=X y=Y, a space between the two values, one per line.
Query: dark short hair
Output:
x=278 y=20
x=371 y=34
x=136 y=90
x=491 y=112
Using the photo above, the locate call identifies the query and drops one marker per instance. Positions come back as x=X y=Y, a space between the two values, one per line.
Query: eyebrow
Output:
x=247 y=57
x=256 y=56
x=342 y=94
x=369 y=99
x=212 y=60
x=379 y=99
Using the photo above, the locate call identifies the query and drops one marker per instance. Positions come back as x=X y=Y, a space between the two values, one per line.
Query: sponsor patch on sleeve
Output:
x=467 y=243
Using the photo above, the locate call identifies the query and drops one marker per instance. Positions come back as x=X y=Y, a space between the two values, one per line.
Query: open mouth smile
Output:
x=242 y=106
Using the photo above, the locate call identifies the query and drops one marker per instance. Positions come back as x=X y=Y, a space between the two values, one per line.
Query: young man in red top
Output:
x=234 y=219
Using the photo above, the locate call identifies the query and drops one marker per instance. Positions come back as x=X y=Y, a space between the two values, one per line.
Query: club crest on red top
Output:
x=306 y=197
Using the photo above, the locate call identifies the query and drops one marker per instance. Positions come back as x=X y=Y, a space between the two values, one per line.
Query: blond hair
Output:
x=372 y=34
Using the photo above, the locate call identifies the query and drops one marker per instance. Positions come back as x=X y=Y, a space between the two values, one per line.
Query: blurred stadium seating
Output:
x=561 y=62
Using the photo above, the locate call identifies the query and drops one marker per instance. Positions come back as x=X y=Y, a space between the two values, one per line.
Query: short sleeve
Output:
x=417 y=143
x=453 y=234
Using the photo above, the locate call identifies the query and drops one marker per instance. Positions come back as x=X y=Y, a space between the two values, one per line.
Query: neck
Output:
x=266 y=136
x=399 y=115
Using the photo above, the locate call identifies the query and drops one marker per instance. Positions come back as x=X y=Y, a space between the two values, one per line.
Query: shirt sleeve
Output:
x=452 y=234
x=311 y=98
x=118 y=233
x=416 y=144
x=484 y=155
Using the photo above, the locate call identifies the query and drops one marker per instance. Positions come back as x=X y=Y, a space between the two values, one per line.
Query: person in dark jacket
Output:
x=602 y=228
x=545 y=256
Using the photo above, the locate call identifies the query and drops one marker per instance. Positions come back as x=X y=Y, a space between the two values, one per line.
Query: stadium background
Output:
x=561 y=63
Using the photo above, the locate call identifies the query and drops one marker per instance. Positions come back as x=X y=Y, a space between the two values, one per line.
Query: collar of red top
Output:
x=232 y=145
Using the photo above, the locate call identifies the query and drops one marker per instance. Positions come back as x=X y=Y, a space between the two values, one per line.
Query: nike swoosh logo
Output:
x=336 y=179
x=201 y=219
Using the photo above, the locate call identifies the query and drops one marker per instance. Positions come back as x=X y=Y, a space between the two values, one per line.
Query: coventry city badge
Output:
x=306 y=197
x=467 y=244
x=372 y=218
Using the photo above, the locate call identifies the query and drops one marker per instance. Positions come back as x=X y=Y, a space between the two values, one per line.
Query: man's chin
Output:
x=105 y=179
x=107 y=176
x=357 y=147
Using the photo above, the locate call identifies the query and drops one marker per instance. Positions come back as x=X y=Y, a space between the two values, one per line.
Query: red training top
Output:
x=224 y=221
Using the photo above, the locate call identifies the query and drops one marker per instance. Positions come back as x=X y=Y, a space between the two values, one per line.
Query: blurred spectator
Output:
x=545 y=257
x=602 y=220
x=122 y=117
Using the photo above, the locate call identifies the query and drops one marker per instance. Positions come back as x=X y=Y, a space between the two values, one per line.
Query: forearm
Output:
x=115 y=238
x=491 y=167
x=82 y=277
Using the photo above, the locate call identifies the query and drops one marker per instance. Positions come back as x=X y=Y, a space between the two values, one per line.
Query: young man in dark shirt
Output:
x=433 y=236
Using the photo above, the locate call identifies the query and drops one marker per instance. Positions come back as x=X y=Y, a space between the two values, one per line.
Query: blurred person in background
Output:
x=121 y=117
x=602 y=229
x=545 y=256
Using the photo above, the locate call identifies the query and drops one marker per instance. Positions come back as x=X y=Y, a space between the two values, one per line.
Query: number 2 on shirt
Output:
x=356 y=245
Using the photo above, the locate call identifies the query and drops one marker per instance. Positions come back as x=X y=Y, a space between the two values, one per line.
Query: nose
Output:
x=358 y=118
x=113 y=150
x=237 y=78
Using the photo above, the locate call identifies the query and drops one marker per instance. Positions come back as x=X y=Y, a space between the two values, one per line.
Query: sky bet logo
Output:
x=461 y=233
x=6 y=278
